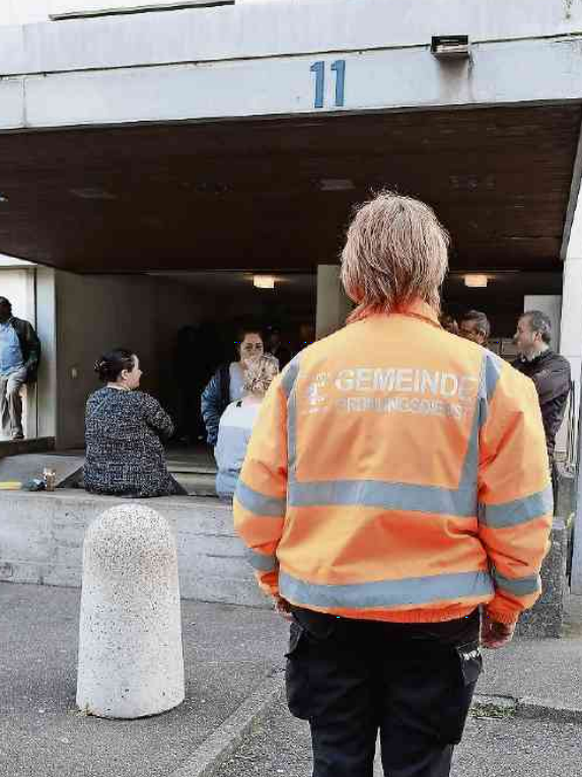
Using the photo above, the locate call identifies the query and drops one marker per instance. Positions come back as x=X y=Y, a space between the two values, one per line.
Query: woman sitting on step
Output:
x=124 y=430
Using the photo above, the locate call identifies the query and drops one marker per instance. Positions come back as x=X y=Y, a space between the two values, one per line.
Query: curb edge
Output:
x=214 y=750
x=527 y=707
x=532 y=708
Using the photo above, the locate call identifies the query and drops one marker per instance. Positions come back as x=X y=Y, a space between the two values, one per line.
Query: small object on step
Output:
x=50 y=478
x=10 y=485
x=36 y=484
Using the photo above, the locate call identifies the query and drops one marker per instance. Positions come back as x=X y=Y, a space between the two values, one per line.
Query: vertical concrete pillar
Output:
x=571 y=348
x=46 y=322
x=571 y=324
x=333 y=306
x=130 y=634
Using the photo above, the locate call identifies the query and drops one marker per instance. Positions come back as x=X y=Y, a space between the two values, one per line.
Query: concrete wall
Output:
x=97 y=313
x=571 y=322
x=18 y=287
x=276 y=27
x=66 y=8
x=210 y=63
x=41 y=541
x=333 y=305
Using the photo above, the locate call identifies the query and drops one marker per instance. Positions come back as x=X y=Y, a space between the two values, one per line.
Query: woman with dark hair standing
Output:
x=226 y=385
x=124 y=429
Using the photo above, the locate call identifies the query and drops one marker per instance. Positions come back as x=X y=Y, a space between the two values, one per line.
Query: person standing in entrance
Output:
x=19 y=360
x=475 y=326
x=396 y=480
x=550 y=373
x=226 y=385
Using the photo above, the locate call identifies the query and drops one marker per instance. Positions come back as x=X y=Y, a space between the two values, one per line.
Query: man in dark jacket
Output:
x=549 y=371
x=19 y=359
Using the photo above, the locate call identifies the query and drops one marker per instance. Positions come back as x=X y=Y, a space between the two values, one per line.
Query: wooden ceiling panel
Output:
x=247 y=195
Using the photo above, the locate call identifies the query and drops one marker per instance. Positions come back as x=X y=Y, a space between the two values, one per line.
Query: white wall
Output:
x=551 y=305
x=68 y=7
x=97 y=313
x=571 y=323
x=18 y=287
x=24 y=11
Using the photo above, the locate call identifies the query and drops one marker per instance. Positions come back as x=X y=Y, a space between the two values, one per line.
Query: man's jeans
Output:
x=11 y=404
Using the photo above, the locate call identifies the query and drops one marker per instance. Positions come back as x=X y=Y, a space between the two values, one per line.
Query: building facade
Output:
x=144 y=147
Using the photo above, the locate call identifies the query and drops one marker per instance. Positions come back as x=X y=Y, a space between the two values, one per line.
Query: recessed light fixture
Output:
x=93 y=193
x=263 y=281
x=450 y=46
x=336 y=185
x=476 y=281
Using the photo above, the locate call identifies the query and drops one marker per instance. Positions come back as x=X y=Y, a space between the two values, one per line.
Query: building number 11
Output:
x=339 y=68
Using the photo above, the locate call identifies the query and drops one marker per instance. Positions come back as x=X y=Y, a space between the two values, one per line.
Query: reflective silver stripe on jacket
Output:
x=518 y=511
x=260 y=562
x=412 y=591
x=259 y=504
x=518 y=586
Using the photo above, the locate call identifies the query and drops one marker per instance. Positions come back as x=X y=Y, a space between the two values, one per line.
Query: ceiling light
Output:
x=450 y=46
x=336 y=185
x=3 y=198
x=91 y=193
x=476 y=281
x=264 y=281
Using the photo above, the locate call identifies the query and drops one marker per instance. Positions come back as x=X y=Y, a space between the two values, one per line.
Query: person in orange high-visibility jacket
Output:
x=396 y=480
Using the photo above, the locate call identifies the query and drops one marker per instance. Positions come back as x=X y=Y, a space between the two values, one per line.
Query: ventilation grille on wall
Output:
x=82 y=9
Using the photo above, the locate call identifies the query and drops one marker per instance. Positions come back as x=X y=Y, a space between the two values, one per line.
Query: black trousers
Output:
x=411 y=682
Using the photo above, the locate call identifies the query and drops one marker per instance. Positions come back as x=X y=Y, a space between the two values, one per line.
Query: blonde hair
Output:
x=260 y=374
x=395 y=251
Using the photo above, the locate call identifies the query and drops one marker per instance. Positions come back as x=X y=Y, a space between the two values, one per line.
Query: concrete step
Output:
x=25 y=467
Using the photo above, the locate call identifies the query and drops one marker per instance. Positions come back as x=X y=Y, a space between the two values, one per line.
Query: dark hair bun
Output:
x=110 y=366
x=99 y=367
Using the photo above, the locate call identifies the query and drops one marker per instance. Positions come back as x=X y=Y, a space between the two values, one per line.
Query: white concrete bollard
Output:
x=130 y=635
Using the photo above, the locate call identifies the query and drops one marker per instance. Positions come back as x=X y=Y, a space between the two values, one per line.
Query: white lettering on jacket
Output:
x=416 y=406
x=407 y=380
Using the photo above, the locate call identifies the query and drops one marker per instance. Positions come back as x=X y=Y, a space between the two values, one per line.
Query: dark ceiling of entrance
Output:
x=248 y=194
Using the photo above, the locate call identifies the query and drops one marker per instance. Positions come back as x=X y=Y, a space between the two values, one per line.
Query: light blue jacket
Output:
x=234 y=433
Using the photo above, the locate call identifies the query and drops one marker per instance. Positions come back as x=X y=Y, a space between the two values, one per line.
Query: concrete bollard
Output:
x=130 y=635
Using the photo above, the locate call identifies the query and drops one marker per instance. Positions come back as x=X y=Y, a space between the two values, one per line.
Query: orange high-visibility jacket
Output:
x=398 y=472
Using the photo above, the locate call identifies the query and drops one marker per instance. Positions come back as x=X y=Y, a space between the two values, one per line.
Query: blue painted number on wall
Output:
x=339 y=68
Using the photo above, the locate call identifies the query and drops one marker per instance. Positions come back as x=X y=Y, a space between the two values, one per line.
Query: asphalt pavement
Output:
x=228 y=652
x=233 y=721
x=492 y=747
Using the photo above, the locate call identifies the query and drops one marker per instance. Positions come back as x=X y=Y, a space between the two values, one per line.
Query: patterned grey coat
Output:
x=124 y=451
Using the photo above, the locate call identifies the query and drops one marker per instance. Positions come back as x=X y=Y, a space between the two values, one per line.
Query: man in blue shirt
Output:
x=19 y=358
